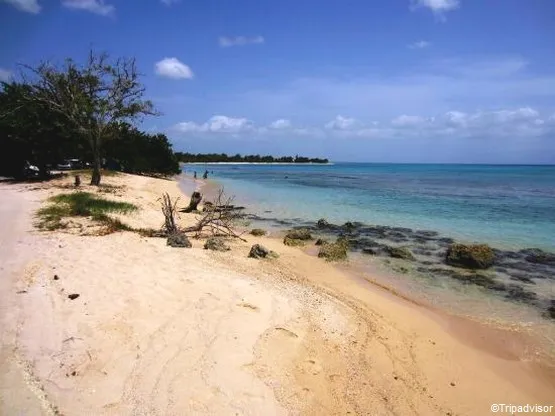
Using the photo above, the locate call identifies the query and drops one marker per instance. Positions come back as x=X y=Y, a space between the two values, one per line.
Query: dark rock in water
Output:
x=323 y=223
x=479 y=256
x=427 y=262
x=321 y=242
x=374 y=231
x=293 y=242
x=426 y=233
x=402 y=230
x=399 y=253
x=297 y=237
x=73 y=296
x=258 y=232
x=445 y=240
x=178 y=240
x=299 y=234
x=529 y=267
x=216 y=244
x=478 y=279
x=374 y=251
x=334 y=251
x=259 y=252
x=516 y=292
x=501 y=255
x=400 y=269
x=397 y=239
x=349 y=225
x=521 y=277
x=536 y=255
x=551 y=310
x=422 y=240
x=422 y=252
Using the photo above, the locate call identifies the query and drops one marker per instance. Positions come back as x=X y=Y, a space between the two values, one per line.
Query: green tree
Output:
x=31 y=133
x=91 y=97
x=139 y=152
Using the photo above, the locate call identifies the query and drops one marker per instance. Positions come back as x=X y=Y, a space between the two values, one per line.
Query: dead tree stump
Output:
x=196 y=197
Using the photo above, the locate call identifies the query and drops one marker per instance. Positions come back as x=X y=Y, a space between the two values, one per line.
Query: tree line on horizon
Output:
x=237 y=158
x=86 y=112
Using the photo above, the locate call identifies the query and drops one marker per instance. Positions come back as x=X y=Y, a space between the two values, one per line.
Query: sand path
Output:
x=18 y=393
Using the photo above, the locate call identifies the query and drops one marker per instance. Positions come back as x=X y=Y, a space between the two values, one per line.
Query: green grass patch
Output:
x=83 y=204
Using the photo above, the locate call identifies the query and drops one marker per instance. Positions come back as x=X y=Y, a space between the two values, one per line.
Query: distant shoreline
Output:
x=255 y=163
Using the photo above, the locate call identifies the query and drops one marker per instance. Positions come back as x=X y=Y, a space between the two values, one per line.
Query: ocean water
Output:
x=509 y=207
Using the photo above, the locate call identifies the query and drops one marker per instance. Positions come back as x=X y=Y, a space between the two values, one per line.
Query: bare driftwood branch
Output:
x=217 y=221
x=169 y=209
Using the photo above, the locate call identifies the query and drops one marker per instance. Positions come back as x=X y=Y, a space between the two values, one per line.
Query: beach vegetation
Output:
x=83 y=204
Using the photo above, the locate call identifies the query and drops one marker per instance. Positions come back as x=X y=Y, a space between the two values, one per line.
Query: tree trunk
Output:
x=196 y=197
x=95 y=179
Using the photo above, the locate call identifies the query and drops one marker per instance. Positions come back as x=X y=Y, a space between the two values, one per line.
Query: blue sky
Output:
x=468 y=81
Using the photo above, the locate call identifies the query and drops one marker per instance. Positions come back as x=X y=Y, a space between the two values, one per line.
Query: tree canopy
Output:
x=79 y=111
x=91 y=97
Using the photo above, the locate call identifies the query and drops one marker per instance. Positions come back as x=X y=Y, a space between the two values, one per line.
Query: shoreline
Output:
x=257 y=163
x=542 y=343
x=514 y=292
x=154 y=327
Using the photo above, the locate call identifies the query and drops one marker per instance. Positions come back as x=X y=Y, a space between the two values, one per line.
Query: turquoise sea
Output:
x=423 y=208
x=509 y=207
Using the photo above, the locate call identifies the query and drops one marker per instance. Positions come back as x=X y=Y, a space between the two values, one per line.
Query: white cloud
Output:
x=173 y=68
x=341 y=123
x=5 y=75
x=421 y=44
x=524 y=122
x=404 y=120
x=29 y=6
x=216 y=124
x=280 y=124
x=438 y=7
x=226 y=42
x=94 y=6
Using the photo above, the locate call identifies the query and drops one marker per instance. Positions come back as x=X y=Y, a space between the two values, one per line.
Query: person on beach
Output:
x=195 y=174
x=205 y=176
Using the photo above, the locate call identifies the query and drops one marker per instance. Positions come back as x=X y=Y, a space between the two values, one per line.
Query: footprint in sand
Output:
x=286 y=331
x=248 y=306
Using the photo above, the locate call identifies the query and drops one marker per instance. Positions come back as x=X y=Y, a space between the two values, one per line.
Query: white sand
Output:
x=167 y=331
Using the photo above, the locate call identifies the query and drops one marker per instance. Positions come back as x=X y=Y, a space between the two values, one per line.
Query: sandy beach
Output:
x=158 y=330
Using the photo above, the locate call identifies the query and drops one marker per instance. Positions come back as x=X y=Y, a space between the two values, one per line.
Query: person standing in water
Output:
x=205 y=176
x=195 y=174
